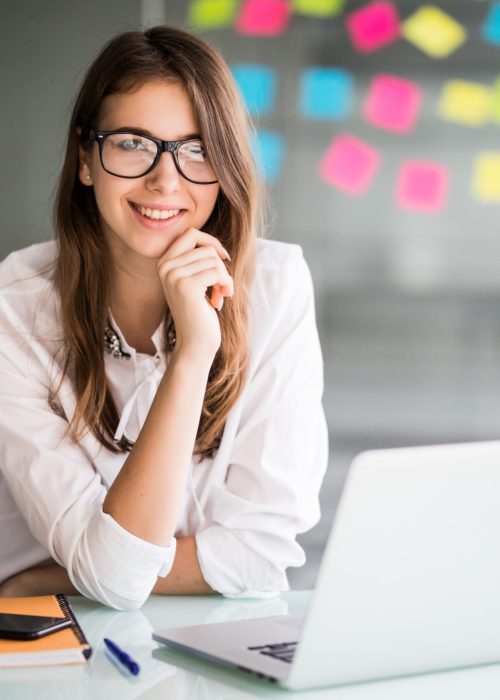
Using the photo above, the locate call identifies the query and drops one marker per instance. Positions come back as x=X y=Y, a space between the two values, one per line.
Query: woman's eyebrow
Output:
x=146 y=132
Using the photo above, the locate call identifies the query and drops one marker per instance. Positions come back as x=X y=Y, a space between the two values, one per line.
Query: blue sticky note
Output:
x=491 y=27
x=326 y=93
x=269 y=149
x=258 y=87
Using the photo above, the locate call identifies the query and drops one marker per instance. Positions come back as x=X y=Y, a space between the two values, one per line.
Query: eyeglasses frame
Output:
x=161 y=146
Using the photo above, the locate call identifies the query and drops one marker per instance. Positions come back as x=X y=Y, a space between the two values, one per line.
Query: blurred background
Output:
x=378 y=134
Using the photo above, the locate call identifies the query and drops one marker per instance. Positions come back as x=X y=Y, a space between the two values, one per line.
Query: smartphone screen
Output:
x=30 y=626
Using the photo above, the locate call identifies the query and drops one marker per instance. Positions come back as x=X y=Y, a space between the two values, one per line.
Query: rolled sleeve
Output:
x=124 y=568
x=60 y=494
x=232 y=568
x=280 y=450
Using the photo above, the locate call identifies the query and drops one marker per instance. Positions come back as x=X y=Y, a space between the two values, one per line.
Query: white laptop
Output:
x=409 y=582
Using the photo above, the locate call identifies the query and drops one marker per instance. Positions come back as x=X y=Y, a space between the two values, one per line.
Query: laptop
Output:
x=409 y=582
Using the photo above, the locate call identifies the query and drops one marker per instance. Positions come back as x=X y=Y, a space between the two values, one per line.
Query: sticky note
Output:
x=393 y=103
x=486 y=176
x=211 y=14
x=373 y=26
x=433 y=31
x=466 y=103
x=422 y=186
x=349 y=164
x=263 y=17
x=325 y=93
x=495 y=101
x=491 y=28
x=318 y=8
x=269 y=151
x=258 y=87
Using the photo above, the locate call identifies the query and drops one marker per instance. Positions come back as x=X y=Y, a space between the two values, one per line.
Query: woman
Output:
x=161 y=426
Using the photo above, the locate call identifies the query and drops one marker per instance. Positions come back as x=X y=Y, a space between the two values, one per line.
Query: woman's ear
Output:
x=84 y=174
x=83 y=166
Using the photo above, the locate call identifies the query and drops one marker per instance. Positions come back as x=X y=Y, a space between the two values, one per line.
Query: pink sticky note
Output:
x=393 y=104
x=349 y=164
x=422 y=186
x=373 y=25
x=263 y=17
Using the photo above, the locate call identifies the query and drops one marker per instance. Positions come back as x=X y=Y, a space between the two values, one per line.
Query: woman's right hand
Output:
x=191 y=264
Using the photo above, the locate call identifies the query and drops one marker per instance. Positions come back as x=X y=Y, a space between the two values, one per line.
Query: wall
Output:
x=45 y=48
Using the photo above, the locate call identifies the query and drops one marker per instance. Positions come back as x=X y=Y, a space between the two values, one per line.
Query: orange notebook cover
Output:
x=67 y=646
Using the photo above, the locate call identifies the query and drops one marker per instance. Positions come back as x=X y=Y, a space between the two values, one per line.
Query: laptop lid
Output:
x=410 y=578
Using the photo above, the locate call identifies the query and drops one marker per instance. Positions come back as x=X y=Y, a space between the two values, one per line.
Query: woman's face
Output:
x=164 y=110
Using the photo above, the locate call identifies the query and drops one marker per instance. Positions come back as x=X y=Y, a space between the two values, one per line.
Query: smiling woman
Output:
x=158 y=430
x=134 y=181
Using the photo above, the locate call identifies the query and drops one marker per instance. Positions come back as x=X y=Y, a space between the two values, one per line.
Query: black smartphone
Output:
x=30 y=626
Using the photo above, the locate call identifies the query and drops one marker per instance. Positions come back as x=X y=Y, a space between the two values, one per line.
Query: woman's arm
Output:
x=185 y=578
x=46 y=578
x=147 y=494
x=49 y=578
x=146 y=497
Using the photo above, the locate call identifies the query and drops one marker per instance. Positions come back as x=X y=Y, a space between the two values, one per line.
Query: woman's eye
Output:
x=195 y=150
x=132 y=145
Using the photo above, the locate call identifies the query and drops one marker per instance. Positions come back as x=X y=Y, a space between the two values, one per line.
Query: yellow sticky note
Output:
x=466 y=103
x=318 y=8
x=211 y=14
x=495 y=106
x=433 y=31
x=486 y=176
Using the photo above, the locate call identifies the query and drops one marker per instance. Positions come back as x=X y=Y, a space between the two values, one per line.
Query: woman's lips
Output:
x=151 y=218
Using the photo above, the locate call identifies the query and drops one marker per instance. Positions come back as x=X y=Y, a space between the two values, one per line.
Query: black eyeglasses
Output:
x=133 y=154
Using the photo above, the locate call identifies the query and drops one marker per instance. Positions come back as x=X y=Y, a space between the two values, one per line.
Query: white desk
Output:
x=172 y=675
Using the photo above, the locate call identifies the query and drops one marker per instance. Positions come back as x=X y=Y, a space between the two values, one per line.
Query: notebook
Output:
x=67 y=646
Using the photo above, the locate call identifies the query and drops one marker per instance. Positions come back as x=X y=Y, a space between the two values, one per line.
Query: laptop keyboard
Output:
x=283 y=651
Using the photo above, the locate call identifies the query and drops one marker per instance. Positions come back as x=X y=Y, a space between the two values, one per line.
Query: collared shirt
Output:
x=244 y=506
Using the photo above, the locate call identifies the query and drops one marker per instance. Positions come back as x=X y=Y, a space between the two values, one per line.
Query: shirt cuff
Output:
x=116 y=566
x=232 y=568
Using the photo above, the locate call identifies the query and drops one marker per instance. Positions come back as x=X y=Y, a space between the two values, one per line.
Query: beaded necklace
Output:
x=113 y=346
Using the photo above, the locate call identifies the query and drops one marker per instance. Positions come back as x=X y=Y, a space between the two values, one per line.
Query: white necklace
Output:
x=113 y=346
x=112 y=343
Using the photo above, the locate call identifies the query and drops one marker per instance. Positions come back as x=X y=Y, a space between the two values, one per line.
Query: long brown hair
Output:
x=82 y=272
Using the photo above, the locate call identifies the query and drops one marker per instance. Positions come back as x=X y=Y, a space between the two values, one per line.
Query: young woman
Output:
x=161 y=427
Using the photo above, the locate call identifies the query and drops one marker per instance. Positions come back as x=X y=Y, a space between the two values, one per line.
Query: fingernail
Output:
x=228 y=257
x=220 y=304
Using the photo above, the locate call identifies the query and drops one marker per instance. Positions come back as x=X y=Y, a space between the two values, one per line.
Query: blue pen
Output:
x=122 y=657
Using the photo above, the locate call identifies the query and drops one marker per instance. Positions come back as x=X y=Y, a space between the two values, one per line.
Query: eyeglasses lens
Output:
x=131 y=155
x=193 y=162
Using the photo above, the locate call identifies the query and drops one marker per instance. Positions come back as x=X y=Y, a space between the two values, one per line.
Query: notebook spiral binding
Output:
x=63 y=603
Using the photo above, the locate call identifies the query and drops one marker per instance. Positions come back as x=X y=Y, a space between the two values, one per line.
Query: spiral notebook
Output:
x=67 y=646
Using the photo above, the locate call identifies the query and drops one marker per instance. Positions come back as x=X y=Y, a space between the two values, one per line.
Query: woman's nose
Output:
x=164 y=175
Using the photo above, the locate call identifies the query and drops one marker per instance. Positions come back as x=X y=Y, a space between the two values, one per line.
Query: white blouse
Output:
x=245 y=506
